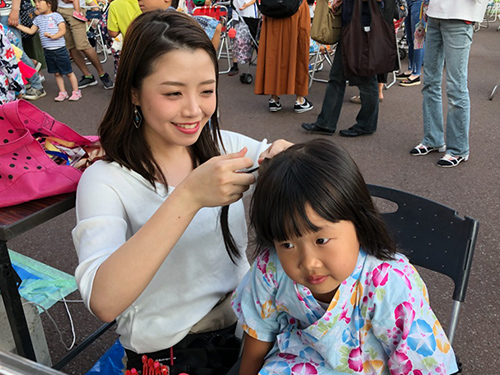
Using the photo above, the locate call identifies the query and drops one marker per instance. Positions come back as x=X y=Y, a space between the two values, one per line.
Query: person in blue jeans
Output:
x=413 y=20
x=449 y=38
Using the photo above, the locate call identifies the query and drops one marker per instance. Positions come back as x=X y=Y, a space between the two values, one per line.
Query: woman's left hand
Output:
x=275 y=148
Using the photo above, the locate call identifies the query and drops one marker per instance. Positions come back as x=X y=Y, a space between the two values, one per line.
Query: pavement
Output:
x=472 y=188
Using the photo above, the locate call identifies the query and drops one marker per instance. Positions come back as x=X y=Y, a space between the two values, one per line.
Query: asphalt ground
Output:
x=472 y=189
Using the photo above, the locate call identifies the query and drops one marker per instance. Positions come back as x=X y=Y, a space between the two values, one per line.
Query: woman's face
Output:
x=178 y=98
x=320 y=260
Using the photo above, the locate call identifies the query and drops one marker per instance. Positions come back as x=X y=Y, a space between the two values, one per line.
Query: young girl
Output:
x=153 y=254
x=328 y=294
x=52 y=28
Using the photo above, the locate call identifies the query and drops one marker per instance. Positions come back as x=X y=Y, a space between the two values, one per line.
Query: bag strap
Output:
x=22 y=141
x=24 y=114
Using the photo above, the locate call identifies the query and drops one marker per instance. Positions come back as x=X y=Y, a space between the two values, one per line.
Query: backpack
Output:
x=401 y=10
x=279 y=8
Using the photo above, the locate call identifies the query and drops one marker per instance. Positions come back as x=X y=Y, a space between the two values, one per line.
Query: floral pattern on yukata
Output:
x=379 y=321
x=10 y=76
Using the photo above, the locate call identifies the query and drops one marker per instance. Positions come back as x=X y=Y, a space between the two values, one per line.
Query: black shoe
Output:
x=352 y=132
x=304 y=107
x=313 y=128
x=233 y=71
x=107 y=82
x=86 y=81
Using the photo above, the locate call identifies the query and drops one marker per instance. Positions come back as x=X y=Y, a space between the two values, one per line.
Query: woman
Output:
x=283 y=59
x=153 y=254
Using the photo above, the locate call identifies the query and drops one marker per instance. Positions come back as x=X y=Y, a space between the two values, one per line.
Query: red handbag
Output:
x=27 y=171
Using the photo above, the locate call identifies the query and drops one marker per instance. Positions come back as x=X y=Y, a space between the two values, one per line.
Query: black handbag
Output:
x=368 y=50
x=26 y=16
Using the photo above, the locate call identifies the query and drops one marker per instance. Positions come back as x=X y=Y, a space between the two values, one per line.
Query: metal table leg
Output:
x=13 y=306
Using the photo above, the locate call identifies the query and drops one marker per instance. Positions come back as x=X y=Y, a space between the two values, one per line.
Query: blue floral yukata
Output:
x=379 y=321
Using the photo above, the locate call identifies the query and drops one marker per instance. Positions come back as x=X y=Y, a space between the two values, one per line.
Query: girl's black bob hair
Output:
x=322 y=175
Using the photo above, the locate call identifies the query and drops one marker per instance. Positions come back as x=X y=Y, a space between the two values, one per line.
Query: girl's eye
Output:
x=286 y=245
x=208 y=92
x=322 y=241
x=176 y=93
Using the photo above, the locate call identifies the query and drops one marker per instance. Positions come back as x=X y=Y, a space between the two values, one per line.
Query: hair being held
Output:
x=322 y=175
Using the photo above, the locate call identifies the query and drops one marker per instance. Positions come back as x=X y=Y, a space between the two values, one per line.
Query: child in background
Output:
x=328 y=293
x=52 y=28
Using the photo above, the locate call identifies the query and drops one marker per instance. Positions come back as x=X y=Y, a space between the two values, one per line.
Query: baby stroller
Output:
x=245 y=42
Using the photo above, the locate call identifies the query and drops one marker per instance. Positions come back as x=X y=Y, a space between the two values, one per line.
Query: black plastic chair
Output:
x=433 y=236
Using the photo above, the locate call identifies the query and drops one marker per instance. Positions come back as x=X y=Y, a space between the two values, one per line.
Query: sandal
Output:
x=448 y=161
x=422 y=149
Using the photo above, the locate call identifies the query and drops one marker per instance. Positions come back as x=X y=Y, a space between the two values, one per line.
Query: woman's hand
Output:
x=218 y=182
x=275 y=148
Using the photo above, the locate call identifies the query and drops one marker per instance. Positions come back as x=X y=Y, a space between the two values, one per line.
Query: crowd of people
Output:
x=328 y=290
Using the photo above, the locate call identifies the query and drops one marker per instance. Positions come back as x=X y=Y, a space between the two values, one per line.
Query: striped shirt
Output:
x=49 y=23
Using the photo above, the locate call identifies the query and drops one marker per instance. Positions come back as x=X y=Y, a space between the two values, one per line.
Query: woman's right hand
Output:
x=218 y=182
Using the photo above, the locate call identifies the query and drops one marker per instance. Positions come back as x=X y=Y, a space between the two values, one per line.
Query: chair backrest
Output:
x=433 y=236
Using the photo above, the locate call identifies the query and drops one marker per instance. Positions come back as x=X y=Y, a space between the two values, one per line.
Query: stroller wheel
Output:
x=246 y=78
x=402 y=54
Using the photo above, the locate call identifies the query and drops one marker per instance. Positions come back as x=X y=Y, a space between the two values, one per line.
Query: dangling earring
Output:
x=137 y=117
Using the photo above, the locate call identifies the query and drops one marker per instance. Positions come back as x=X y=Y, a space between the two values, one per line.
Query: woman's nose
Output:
x=191 y=107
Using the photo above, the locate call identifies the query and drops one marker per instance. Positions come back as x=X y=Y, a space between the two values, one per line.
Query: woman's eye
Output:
x=176 y=93
x=322 y=241
x=208 y=92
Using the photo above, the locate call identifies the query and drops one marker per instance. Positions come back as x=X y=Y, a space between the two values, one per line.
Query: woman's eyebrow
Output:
x=177 y=83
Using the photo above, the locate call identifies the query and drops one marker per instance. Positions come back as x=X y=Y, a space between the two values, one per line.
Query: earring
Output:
x=137 y=117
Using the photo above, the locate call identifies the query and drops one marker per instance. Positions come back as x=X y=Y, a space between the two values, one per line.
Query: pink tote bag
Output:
x=26 y=171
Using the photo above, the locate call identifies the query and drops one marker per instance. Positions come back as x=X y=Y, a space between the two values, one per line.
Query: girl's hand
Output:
x=47 y=35
x=218 y=182
x=275 y=148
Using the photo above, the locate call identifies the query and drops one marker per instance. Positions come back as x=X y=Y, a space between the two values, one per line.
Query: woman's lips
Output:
x=189 y=127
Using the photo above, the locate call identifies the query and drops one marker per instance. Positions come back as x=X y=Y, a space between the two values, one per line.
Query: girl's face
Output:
x=321 y=260
x=42 y=6
x=177 y=99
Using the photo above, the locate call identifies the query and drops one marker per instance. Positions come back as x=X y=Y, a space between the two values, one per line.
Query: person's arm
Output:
x=14 y=13
x=124 y=275
x=247 y=4
x=113 y=34
x=59 y=34
x=254 y=352
x=28 y=30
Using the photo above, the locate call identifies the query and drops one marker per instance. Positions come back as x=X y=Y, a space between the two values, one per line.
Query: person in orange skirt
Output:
x=283 y=59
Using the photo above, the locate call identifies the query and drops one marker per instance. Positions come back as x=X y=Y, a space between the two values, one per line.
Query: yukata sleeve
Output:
x=405 y=324
x=254 y=301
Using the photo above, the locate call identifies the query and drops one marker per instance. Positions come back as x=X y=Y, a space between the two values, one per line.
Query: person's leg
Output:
x=367 y=118
x=432 y=107
x=91 y=55
x=417 y=55
x=60 y=82
x=409 y=38
x=457 y=40
x=79 y=60
x=334 y=94
x=35 y=80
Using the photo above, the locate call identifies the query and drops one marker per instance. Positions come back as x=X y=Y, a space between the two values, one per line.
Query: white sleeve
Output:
x=101 y=225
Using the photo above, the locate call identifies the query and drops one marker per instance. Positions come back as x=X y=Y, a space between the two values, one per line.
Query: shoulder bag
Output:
x=26 y=16
x=279 y=8
x=326 y=26
x=370 y=50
